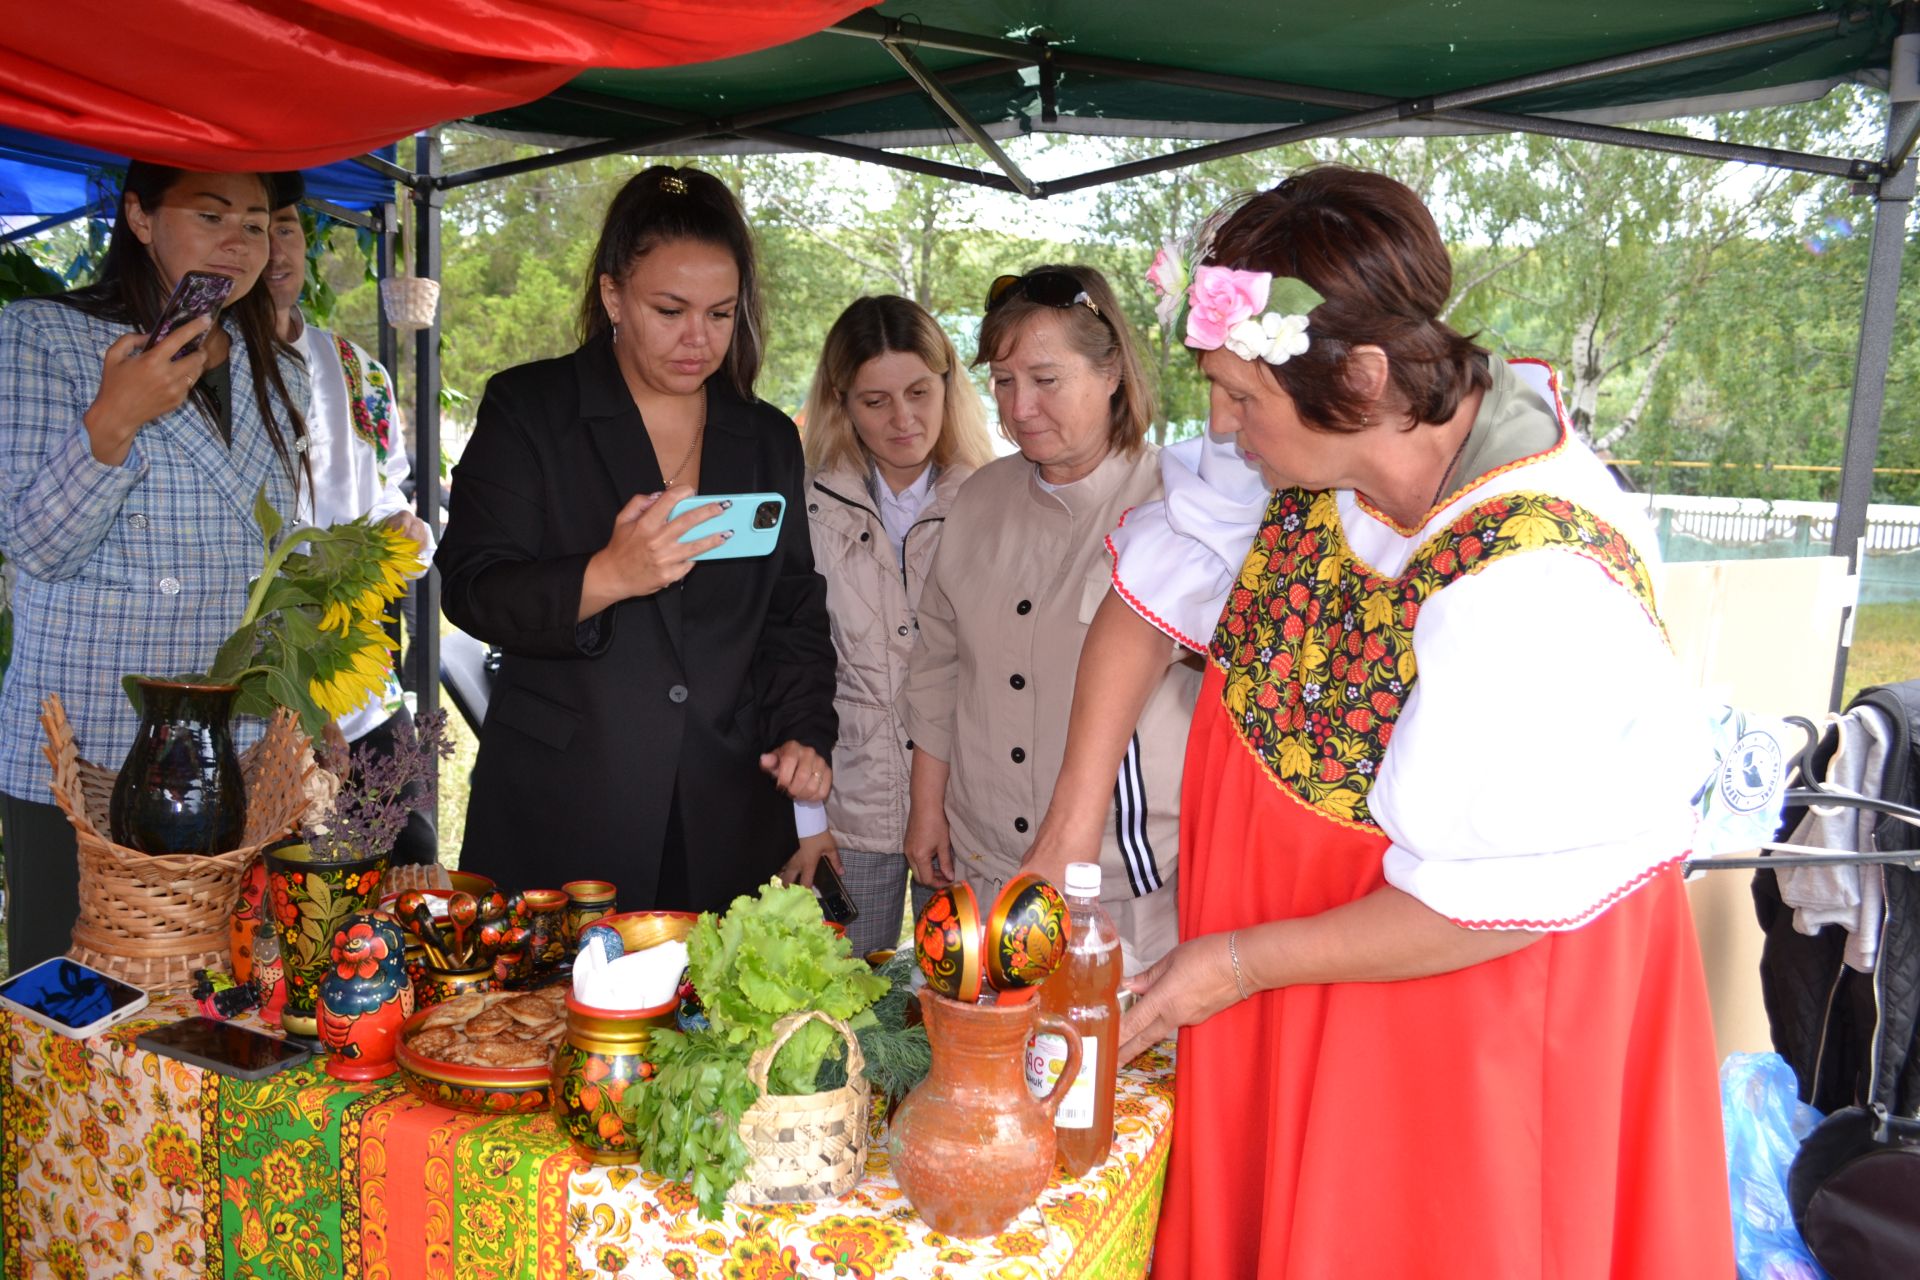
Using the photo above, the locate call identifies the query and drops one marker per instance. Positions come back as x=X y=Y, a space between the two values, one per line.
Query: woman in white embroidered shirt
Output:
x=1435 y=952
x=893 y=426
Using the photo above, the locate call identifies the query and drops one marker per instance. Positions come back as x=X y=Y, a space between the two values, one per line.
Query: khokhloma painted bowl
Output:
x=461 y=1087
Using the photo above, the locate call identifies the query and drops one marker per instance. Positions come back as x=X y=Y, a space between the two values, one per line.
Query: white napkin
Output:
x=640 y=980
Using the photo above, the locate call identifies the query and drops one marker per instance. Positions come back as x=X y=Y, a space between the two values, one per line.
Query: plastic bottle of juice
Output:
x=1084 y=991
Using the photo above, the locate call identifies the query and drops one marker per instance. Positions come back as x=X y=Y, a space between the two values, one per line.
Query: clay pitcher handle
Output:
x=1058 y=1094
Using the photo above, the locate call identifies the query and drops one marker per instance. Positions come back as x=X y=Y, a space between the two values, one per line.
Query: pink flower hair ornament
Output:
x=1253 y=314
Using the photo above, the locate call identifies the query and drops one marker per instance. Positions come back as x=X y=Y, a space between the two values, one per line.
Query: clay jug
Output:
x=971 y=1146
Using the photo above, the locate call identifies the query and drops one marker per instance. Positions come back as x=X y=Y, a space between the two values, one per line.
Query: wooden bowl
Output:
x=642 y=929
x=463 y=1087
x=472 y=882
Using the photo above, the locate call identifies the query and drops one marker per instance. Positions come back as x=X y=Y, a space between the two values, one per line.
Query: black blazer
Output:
x=593 y=728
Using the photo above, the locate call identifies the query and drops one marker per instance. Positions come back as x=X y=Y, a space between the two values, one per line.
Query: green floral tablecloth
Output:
x=119 y=1163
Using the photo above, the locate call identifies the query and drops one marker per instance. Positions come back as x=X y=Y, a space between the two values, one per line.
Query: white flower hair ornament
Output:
x=1253 y=314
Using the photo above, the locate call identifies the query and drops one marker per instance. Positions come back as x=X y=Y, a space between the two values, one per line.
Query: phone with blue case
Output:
x=754 y=520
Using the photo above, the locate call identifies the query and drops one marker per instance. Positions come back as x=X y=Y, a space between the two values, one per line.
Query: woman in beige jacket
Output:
x=1021 y=570
x=893 y=427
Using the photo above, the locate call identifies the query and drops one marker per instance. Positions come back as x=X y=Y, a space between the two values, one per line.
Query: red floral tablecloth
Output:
x=117 y=1162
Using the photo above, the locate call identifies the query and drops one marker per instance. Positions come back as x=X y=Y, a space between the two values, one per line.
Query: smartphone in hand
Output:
x=835 y=902
x=199 y=293
x=754 y=521
x=71 y=997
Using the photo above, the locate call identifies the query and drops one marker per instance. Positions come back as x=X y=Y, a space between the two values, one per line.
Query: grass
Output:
x=451 y=812
x=1886 y=647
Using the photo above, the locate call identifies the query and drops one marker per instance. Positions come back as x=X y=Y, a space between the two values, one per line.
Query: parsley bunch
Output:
x=770 y=955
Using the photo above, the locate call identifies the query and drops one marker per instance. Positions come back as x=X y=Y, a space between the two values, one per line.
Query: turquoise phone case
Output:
x=755 y=529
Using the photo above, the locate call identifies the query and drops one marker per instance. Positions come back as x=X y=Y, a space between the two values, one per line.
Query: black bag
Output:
x=1855 y=1192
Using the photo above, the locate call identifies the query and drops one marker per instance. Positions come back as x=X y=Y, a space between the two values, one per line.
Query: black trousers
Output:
x=419 y=841
x=43 y=881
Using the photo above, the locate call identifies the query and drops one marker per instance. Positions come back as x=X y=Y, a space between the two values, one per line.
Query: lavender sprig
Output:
x=371 y=809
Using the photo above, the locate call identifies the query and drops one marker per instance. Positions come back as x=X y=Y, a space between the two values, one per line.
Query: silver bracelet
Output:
x=1233 y=954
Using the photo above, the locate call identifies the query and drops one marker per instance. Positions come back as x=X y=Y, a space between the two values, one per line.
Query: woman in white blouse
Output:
x=1435 y=954
x=893 y=427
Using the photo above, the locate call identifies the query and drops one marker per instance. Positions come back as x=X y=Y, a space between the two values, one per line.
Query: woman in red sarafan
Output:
x=1438 y=996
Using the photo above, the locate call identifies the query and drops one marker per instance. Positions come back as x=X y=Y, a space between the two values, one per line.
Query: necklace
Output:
x=1451 y=464
x=699 y=433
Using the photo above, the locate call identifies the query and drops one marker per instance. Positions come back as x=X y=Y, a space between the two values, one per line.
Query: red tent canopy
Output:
x=282 y=84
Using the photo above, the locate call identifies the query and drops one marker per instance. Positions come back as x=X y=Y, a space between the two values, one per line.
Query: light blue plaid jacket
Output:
x=136 y=569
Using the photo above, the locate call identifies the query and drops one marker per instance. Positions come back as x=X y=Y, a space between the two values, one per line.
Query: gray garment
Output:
x=877 y=883
x=1852 y=895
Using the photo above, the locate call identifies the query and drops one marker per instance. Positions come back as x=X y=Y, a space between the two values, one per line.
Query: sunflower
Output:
x=350 y=668
x=310 y=637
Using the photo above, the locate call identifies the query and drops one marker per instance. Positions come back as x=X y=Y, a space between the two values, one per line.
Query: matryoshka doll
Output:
x=364 y=997
x=269 y=975
x=245 y=918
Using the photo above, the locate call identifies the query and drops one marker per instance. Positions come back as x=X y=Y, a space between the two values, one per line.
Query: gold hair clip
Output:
x=674 y=185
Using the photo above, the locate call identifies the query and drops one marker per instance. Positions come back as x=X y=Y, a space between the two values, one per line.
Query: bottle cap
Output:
x=1083 y=879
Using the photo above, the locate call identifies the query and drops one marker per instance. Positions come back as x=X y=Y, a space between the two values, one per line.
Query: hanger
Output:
x=1816 y=794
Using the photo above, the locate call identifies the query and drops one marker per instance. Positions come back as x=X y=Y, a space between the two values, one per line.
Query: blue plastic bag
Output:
x=1765 y=1121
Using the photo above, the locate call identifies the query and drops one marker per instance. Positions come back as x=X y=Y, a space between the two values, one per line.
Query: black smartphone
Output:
x=71 y=998
x=199 y=293
x=225 y=1047
x=835 y=901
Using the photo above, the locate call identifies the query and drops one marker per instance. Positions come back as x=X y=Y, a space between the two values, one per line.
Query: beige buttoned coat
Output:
x=1015 y=583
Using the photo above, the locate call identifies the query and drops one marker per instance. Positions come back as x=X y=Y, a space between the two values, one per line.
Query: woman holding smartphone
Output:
x=127 y=481
x=654 y=713
x=893 y=428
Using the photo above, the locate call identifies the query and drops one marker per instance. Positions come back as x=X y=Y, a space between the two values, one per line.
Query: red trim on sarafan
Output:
x=1138 y=605
x=1573 y=922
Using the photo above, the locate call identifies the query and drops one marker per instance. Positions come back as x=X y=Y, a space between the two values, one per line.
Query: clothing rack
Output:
x=1817 y=795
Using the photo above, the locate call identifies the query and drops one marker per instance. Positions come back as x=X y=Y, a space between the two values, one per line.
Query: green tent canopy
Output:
x=1218 y=78
x=920 y=72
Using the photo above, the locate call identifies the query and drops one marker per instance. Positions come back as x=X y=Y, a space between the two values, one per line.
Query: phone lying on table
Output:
x=199 y=293
x=226 y=1047
x=753 y=520
x=70 y=997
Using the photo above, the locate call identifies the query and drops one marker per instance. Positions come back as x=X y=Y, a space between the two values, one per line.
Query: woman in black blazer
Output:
x=653 y=718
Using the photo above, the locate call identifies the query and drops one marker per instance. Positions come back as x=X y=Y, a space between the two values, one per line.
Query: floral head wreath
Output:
x=1254 y=314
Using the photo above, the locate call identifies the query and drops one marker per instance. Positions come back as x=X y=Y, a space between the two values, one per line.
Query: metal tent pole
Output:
x=1892 y=200
x=386 y=218
x=428 y=200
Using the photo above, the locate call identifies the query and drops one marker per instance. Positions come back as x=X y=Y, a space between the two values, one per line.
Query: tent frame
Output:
x=1888 y=177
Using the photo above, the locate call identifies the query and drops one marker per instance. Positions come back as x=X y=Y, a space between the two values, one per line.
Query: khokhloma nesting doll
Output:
x=364 y=997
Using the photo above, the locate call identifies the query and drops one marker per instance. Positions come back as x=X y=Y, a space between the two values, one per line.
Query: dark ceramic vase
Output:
x=180 y=790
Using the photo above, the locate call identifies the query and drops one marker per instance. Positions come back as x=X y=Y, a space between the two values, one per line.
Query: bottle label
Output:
x=1046 y=1059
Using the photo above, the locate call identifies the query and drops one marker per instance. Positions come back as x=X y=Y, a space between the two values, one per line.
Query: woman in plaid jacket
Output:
x=127 y=481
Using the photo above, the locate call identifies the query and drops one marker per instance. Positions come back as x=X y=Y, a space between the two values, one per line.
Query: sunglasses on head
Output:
x=1048 y=288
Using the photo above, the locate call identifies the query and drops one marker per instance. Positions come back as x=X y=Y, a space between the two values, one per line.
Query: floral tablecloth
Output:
x=120 y=1163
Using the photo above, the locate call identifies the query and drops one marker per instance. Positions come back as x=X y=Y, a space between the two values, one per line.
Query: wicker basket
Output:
x=808 y=1146
x=410 y=301
x=153 y=919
